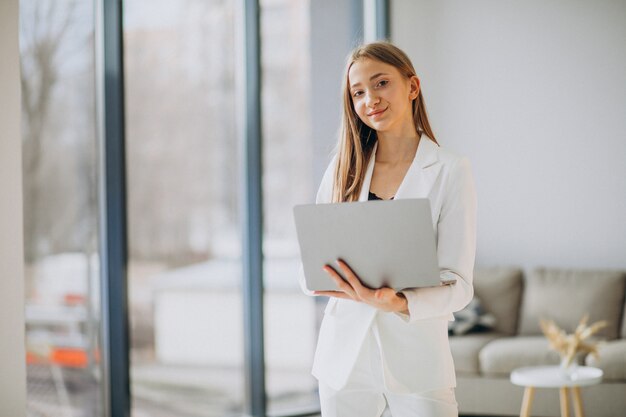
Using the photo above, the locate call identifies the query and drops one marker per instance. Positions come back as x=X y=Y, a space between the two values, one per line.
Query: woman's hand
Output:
x=351 y=288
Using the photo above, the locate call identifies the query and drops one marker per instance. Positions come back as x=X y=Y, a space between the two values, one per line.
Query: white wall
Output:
x=534 y=92
x=12 y=356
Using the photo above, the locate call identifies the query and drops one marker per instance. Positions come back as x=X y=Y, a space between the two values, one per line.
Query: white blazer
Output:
x=415 y=349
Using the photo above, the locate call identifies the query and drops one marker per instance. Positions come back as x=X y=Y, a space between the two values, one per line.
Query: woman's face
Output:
x=382 y=97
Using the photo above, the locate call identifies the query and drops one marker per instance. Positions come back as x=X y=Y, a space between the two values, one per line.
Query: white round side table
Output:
x=532 y=377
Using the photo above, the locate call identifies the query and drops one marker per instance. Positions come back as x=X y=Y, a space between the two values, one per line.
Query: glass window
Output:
x=291 y=318
x=184 y=234
x=62 y=299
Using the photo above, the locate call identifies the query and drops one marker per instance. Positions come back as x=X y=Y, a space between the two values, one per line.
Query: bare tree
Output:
x=40 y=43
x=53 y=35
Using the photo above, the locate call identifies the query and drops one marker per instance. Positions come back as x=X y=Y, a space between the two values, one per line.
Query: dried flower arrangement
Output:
x=568 y=345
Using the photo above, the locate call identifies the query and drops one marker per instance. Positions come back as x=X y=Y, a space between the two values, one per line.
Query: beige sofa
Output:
x=485 y=360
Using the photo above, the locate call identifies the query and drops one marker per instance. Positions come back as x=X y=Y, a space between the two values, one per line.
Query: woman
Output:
x=380 y=347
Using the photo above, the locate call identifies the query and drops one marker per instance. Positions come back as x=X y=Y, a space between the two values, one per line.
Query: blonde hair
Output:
x=356 y=139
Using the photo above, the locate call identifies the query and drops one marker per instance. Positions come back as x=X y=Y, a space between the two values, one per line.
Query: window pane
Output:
x=290 y=316
x=60 y=208
x=185 y=260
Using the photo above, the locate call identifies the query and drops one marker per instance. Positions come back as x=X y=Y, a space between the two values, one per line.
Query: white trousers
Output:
x=365 y=394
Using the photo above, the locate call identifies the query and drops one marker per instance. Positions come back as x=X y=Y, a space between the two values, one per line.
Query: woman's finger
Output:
x=337 y=294
x=341 y=284
x=361 y=290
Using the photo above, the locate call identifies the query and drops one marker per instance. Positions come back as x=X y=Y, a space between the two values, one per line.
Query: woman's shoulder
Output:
x=453 y=163
x=448 y=156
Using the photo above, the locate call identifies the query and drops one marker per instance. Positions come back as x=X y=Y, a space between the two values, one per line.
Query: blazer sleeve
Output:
x=456 y=250
x=324 y=196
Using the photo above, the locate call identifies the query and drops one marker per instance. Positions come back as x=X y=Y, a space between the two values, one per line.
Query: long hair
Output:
x=356 y=139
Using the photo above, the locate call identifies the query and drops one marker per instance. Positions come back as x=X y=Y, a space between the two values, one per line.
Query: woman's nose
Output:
x=371 y=99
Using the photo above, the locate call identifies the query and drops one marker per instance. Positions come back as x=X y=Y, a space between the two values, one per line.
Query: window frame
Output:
x=113 y=200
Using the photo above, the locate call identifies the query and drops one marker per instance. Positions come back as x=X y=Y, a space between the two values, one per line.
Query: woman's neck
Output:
x=396 y=148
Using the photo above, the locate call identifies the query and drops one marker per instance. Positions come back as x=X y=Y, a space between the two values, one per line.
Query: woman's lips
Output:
x=377 y=113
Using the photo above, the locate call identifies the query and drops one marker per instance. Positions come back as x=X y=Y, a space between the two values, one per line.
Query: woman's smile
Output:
x=376 y=114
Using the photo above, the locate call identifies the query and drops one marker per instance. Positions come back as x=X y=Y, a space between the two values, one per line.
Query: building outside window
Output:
x=62 y=271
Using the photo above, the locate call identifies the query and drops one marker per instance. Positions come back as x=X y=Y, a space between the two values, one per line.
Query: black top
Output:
x=373 y=196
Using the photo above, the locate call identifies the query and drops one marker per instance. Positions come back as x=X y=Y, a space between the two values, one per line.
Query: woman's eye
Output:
x=382 y=83
x=357 y=93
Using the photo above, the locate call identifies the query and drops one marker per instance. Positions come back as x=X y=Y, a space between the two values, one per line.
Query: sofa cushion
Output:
x=465 y=350
x=612 y=360
x=501 y=356
x=499 y=290
x=565 y=296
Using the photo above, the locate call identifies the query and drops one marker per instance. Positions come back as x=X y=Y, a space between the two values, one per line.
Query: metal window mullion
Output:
x=113 y=216
x=382 y=19
x=376 y=20
x=252 y=215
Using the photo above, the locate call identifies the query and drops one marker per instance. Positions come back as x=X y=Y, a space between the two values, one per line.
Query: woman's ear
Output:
x=415 y=87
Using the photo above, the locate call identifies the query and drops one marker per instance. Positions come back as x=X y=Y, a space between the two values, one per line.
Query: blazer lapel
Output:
x=422 y=173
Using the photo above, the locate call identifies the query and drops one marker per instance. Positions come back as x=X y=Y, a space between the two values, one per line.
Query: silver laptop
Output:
x=386 y=243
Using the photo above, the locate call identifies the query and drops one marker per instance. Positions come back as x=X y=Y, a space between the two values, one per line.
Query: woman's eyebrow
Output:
x=371 y=78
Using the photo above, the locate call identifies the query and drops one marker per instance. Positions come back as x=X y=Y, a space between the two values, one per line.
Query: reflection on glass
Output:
x=290 y=316
x=60 y=208
x=184 y=235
